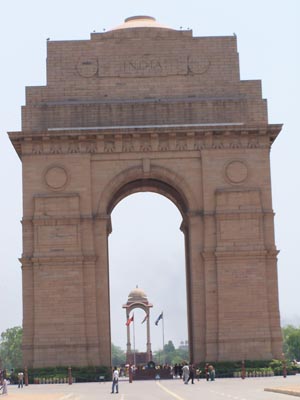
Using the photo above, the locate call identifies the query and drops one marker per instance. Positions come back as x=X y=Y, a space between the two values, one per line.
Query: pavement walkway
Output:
x=32 y=396
x=291 y=390
x=268 y=388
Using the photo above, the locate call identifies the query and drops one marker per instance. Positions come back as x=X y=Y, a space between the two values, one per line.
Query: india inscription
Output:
x=90 y=138
x=139 y=66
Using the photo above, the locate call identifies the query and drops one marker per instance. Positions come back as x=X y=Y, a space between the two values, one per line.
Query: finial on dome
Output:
x=139 y=17
x=137 y=296
x=140 y=21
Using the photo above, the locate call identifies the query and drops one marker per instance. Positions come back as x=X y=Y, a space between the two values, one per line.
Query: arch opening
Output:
x=149 y=251
x=149 y=185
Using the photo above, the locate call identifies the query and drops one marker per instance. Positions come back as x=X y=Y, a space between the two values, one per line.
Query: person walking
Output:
x=4 y=387
x=176 y=371
x=185 y=373
x=180 y=371
x=191 y=373
x=212 y=372
x=20 y=379
x=115 y=382
x=206 y=370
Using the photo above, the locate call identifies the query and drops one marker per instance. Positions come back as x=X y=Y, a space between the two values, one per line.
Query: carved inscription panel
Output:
x=56 y=206
x=239 y=218
x=141 y=65
x=241 y=229
x=57 y=237
x=242 y=200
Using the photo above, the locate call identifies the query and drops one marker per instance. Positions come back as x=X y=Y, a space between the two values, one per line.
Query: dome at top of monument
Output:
x=140 y=21
x=137 y=294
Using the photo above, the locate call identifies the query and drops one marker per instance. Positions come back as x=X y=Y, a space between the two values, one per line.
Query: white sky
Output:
x=268 y=41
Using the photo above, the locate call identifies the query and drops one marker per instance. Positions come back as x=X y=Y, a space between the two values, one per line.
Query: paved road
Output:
x=221 y=389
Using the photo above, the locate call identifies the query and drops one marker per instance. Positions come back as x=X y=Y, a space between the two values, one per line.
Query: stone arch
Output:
x=159 y=180
x=174 y=187
x=202 y=155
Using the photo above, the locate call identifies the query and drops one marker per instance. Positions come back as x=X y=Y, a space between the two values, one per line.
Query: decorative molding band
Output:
x=61 y=346
x=238 y=253
x=147 y=140
x=30 y=261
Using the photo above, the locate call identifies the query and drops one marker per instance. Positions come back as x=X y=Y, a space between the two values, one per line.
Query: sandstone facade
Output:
x=147 y=108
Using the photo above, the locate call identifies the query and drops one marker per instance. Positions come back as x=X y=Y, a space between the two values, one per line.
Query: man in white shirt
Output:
x=115 y=382
x=185 y=373
x=4 y=387
x=20 y=379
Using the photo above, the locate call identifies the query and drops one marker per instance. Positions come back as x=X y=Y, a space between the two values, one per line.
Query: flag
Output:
x=159 y=318
x=130 y=320
x=145 y=319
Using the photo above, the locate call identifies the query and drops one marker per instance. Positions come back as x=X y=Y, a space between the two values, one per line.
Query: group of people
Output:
x=210 y=372
x=187 y=372
x=4 y=382
x=184 y=371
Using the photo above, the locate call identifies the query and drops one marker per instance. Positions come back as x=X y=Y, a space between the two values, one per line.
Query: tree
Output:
x=169 y=348
x=182 y=355
x=11 y=348
x=118 y=355
x=171 y=355
x=169 y=352
x=291 y=342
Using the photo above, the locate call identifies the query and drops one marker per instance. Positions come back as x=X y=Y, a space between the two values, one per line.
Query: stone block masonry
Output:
x=147 y=108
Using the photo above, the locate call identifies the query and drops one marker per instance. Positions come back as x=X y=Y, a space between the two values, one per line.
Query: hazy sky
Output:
x=268 y=35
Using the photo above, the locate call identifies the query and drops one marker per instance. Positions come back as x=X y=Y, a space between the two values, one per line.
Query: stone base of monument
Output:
x=152 y=373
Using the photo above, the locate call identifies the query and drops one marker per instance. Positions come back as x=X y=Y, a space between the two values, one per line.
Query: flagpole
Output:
x=163 y=338
x=134 y=357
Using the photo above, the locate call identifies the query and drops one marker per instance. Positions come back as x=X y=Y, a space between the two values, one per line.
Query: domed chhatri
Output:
x=137 y=295
x=140 y=21
x=137 y=298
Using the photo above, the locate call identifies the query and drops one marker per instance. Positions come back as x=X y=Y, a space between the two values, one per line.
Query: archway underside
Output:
x=165 y=189
x=149 y=185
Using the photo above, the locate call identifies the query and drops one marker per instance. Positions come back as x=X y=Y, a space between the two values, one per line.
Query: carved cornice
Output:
x=30 y=261
x=73 y=346
x=231 y=254
x=234 y=253
x=143 y=139
x=26 y=261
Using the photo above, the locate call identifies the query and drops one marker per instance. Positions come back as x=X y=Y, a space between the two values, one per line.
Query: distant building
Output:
x=184 y=345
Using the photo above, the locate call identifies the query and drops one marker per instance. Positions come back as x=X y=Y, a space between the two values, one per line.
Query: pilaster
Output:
x=102 y=228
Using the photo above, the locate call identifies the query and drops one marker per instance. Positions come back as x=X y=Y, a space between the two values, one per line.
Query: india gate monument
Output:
x=147 y=108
